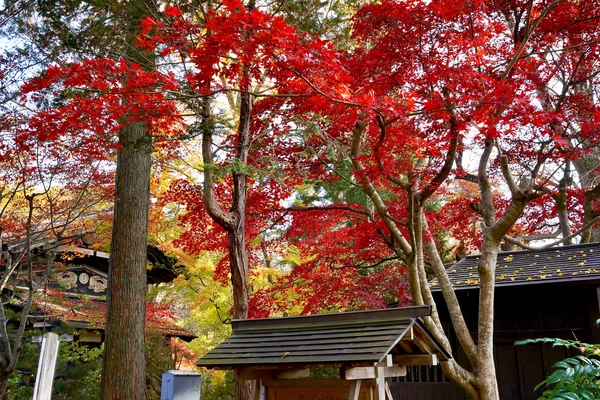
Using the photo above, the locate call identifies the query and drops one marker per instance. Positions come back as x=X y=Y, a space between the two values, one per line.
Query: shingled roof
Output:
x=90 y=315
x=342 y=338
x=557 y=264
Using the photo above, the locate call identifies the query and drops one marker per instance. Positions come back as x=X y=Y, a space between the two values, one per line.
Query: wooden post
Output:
x=380 y=383
x=46 y=366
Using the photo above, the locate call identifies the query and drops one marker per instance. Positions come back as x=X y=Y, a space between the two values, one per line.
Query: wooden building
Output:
x=364 y=348
x=75 y=297
x=549 y=293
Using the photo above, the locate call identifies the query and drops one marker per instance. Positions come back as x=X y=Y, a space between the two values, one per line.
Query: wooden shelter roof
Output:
x=554 y=265
x=331 y=339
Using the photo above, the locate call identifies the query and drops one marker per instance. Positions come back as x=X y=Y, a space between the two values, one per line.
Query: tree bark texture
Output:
x=4 y=375
x=124 y=361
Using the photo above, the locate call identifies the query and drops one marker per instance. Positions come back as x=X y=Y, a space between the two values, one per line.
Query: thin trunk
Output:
x=124 y=361
x=585 y=167
x=236 y=236
x=486 y=369
x=239 y=272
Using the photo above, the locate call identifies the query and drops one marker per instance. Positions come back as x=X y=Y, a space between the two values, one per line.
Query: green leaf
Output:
x=571 y=396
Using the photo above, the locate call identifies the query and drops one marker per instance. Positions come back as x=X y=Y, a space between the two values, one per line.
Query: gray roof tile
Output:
x=557 y=264
x=354 y=337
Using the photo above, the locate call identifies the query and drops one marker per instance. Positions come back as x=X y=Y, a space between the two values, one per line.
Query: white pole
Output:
x=46 y=366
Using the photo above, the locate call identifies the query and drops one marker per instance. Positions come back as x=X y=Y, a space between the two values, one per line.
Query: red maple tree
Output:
x=499 y=93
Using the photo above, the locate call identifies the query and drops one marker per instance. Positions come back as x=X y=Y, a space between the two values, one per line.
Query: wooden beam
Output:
x=310 y=382
x=407 y=346
x=386 y=362
x=388 y=392
x=292 y=373
x=372 y=372
x=423 y=344
x=354 y=390
x=46 y=366
x=409 y=335
x=416 y=359
x=279 y=366
x=252 y=374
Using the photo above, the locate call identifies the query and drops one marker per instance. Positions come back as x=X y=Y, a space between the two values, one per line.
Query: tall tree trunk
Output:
x=124 y=361
x=234 y=220
x=562 y=206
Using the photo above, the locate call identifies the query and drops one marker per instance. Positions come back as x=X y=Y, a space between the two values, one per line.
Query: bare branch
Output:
x=557 y=242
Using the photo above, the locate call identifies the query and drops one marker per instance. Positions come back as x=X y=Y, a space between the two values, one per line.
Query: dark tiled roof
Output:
x=342 y=338
x=557 y=264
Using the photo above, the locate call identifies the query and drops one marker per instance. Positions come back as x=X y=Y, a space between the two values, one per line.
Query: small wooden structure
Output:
x=367 y=347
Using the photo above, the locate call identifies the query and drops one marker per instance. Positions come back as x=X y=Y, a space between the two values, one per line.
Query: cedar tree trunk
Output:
x=124 y=361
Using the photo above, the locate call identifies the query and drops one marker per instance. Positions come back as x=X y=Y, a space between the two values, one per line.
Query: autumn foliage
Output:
x=443 y=117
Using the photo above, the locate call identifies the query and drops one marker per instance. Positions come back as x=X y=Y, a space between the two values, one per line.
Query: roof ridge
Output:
x=333 y=318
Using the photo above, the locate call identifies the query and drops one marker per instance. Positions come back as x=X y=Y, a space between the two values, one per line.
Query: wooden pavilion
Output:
x=367 y=347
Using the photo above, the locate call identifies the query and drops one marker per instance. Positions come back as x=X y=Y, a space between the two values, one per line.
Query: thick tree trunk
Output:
x=124 y=362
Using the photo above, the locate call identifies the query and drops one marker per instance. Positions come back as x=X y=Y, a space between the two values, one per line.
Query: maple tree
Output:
x=471 y=78
x=50 y=195
x=397 y=117
x=405 y=117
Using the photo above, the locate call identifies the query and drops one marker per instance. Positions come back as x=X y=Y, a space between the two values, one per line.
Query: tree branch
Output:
x=566 y=238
